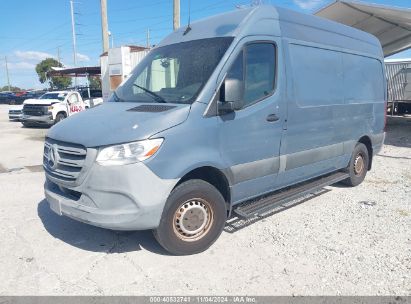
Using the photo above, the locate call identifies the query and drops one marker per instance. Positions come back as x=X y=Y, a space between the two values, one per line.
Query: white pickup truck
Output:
x=51 y=107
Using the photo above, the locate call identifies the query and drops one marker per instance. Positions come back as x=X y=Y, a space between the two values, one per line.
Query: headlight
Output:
x=50 y=107
x=128 y=153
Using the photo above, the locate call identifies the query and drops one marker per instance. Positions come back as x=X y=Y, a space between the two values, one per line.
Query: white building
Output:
x=117 y=64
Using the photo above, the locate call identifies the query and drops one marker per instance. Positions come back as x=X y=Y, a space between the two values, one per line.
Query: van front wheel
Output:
x=193 y=218
x=358 y=167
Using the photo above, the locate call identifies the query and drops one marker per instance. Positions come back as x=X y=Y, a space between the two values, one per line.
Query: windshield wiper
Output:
x=157 y=97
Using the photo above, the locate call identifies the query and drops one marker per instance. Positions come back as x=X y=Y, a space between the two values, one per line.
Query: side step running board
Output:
x=265 y=204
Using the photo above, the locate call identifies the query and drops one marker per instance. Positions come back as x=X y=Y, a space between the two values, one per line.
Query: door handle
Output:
x=272 y=118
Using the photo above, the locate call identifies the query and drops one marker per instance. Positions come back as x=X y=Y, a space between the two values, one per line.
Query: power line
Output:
x=39 y=36
x=152 y=26
x=129 y=8
x=25 y=38
x=140 y=19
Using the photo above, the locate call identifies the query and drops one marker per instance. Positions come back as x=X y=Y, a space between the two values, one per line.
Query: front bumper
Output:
x=129 y=197
x=43 y=119
x=15 y=116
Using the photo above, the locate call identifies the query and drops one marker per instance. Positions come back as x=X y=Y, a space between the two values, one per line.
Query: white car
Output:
x=51 y=108
x=92 y=97
x=15 y=112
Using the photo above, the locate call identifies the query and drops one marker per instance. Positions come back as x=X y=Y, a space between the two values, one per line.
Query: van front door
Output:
x=250 y=137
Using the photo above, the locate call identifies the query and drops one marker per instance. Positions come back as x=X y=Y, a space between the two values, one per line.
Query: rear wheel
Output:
x=193 y=218
x=59 y=117
x=358 y=166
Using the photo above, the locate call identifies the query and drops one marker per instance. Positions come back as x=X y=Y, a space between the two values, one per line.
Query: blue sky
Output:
x=33 y=30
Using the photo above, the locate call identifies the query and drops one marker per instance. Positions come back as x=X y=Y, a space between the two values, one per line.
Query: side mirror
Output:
x=232 y=95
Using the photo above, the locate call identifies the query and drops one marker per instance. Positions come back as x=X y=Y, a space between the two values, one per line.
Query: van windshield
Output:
x=174 y=73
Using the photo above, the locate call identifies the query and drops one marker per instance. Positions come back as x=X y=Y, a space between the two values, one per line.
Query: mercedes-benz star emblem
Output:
x=53 y=157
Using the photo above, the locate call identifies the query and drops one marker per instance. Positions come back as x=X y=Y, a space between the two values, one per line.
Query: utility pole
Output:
x=7 y=73
x=73 y=29
x=176 y=14
x=148 y=38
x=104 y=25
x=58 y=54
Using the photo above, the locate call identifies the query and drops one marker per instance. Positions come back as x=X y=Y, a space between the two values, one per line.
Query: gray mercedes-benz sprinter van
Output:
x=217 y=118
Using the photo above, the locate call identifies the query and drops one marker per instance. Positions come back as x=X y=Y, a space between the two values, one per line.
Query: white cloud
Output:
x=32 y=55
x=82 y=57
x=22 y=65
x=308 y=4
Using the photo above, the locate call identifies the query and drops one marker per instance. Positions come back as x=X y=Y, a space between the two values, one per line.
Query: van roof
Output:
x=276 y=21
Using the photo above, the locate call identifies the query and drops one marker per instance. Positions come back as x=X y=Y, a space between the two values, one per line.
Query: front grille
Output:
x=15 y=112
x=62 y=160
x=35 y=110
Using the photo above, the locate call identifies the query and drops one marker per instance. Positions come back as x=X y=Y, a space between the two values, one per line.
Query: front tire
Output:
x=59 y=117
x=193 y=218
x=358 y=167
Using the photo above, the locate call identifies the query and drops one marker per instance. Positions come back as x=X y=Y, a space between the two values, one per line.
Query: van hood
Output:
x=118 y=122
x=45 y=102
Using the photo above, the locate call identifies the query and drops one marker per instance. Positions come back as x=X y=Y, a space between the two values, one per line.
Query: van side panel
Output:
x=336 y=98
x=364 y=89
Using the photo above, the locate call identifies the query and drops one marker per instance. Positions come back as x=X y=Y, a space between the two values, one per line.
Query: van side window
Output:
x=259 y=72
x=255 y=67
x=237 y=69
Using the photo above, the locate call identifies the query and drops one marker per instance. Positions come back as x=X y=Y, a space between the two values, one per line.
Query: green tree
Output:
x=95 y=82
x=55 y=82
x=13 y=89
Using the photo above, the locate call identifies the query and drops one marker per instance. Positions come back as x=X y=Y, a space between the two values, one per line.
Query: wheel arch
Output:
x=212 y=175
x=61 y=112
x=366 y=140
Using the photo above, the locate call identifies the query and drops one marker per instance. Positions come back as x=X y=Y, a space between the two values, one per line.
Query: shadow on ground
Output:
x=398 y=131
x=95 y=239
x=34 y=127
x=235 y=223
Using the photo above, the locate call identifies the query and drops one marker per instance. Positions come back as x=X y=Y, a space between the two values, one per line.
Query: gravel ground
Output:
x=346 y=241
